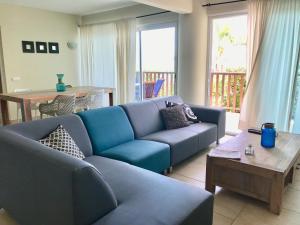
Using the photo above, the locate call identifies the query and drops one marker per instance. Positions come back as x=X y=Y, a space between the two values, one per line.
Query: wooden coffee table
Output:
x=263 y=176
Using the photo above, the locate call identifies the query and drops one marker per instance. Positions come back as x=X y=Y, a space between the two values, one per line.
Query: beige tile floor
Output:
x=230 y=208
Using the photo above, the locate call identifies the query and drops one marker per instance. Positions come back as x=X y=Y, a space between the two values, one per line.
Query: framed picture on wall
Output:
x=53 y=47
x=28 y=46
x=41 y=47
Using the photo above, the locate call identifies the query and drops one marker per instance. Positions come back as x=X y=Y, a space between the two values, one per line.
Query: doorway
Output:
x=156 y=61
x=228 y=64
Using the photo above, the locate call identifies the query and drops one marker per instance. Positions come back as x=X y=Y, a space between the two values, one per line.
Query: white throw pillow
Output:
x=61 y=140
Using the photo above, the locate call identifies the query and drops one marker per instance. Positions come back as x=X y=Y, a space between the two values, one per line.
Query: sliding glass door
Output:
x=156 y=61
x=227 y=71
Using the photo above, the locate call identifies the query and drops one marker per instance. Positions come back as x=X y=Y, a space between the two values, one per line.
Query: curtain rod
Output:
x=153 y=14
x=222 y=3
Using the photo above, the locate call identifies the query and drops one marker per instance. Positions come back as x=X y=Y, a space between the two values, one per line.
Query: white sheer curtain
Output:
x=270 y=90
x=296 y=112
x=257 y=18
x=98 y=55
x=126 y=59
x=108 y=57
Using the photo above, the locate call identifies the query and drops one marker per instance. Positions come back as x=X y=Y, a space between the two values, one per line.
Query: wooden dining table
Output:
x=26 y=99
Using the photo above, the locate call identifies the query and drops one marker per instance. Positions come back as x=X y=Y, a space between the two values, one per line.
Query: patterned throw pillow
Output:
x=187 y=110
x=174 y=117
x=61 y=140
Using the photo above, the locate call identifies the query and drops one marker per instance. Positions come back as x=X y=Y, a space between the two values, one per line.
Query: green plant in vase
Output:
x=60 y=86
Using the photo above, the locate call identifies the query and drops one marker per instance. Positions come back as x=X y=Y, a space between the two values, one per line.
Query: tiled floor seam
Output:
x=227 y=217
x=192 y=178
x=240 y=212
x=291 y=210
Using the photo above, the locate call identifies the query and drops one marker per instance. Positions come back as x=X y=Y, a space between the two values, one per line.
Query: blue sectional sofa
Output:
x=39 y=185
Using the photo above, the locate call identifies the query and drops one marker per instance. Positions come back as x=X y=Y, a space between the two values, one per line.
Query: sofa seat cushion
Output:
x=148 y=198
x=207 y=133
x=183 y=141
x=149 y=155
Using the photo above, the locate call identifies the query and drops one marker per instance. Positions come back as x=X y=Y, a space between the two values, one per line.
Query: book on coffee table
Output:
x=226 y=154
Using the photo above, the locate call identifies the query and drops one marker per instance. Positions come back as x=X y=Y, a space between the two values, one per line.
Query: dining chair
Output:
x=157 y=87
x=92 y=100
x=61 y=105
x=148 y=89
x=152 y=89
x=82 y=103
x=97 y=100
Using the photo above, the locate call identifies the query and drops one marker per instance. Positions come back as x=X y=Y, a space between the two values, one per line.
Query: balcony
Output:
x=227 y=90
x=151 y=89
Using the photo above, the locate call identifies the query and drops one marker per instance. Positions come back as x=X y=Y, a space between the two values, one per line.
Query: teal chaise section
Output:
x=112 y=136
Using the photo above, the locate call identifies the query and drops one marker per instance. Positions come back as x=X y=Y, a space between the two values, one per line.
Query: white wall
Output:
x=225 y=8
x=179 y=6
x=118 y=14
x=37 y=71
x=192 y=55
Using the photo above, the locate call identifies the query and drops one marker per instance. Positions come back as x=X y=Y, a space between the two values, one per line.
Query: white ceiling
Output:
x=77 y=7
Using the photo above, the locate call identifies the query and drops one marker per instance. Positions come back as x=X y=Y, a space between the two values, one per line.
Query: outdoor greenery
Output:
x=230 y=100
x=240 y=85
x=225 y=38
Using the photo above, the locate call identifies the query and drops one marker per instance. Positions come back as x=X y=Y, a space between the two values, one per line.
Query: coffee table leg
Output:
x=276 y=193
x=290 y=177
x=209 y=185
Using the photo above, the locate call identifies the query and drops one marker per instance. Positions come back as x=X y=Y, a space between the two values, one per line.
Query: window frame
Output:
x=155 y=26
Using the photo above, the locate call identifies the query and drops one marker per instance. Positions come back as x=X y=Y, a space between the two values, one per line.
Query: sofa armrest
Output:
x=212 y=115
x=39 y=185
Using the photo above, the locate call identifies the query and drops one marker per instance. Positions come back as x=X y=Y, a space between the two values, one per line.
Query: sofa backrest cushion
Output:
x=161 y=102
x=145 y=118
x=107 y=127
x=39 y=129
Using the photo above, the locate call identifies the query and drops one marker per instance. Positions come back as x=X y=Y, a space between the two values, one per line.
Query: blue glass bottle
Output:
x=268 y=135
x=60 y=86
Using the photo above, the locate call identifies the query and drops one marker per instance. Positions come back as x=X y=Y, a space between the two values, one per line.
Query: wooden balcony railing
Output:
x=227 y=90
x=168 y=87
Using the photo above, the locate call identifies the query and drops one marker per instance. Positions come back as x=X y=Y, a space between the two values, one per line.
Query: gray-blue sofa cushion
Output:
x=149 y=155
x=144 y=117
x=161 y=102
x=183 y=142
x=207 y=133
x=39 y=129
x=146 y=198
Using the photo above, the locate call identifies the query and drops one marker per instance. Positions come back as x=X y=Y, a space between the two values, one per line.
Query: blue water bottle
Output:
x=268 y=135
